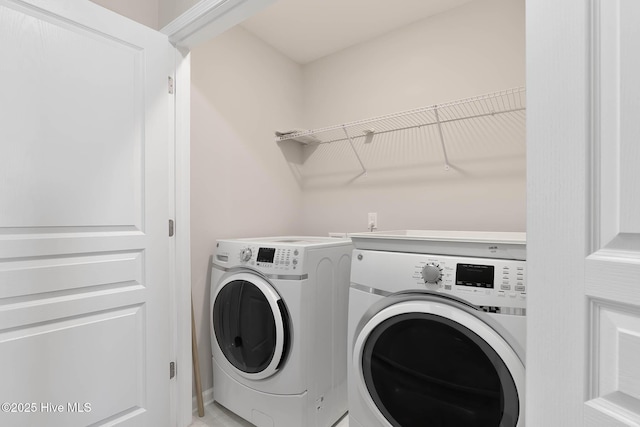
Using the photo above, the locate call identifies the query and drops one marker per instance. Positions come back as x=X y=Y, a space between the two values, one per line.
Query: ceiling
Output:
x=306 y=30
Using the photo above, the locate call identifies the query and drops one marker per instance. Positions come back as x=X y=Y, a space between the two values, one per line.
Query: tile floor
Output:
x=218 y=416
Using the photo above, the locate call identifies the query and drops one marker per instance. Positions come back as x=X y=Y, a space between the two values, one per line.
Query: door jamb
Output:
x=205 y=20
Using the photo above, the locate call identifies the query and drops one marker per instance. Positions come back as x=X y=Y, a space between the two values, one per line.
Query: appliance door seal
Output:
x=432 y=363
x=250 y=325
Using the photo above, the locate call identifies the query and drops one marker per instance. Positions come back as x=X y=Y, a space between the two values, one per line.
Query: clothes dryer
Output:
x=278 y=329
x=437 y=328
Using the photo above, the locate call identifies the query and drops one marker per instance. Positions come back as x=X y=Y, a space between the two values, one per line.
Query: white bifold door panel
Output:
x=84 y=209
x=613 y=268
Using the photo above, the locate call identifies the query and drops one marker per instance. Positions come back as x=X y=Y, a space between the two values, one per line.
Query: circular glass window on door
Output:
x=424 y=370
x=250 y=326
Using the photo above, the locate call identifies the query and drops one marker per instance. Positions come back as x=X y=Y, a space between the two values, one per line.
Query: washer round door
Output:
x=427 y=363
x=250 y=324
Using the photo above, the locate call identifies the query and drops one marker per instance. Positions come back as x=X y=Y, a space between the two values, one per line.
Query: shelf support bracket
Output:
x=364 y=170
x=444 y=149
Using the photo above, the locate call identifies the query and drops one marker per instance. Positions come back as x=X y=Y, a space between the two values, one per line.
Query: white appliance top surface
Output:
x=446 y=235
x=300 y=241
x=487 y=244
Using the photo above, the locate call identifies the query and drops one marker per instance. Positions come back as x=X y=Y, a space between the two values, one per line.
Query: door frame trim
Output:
x=199 y=24
x=209 y=18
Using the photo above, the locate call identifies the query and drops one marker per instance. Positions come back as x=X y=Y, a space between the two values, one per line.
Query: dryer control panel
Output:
x=271 y=258
x=482 y=277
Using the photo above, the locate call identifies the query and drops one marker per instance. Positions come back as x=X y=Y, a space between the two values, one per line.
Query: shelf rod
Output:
x=380 y=132
x=489 y=99
x=444 y=150
x=364 y=170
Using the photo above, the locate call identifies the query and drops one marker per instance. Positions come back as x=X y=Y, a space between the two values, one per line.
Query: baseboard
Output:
x=207 y=398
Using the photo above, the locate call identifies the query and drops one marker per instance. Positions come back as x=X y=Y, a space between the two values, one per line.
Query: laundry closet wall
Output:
x=241 y=185
x=143 y=11
x=152 y=13
x=473 y=49
x=171 y=9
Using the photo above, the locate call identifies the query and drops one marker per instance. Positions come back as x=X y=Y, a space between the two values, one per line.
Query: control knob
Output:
x=431 y=273
x=245 y=254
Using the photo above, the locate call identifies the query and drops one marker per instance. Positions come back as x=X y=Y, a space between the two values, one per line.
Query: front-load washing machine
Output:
x=278 y=329
x=437 y=324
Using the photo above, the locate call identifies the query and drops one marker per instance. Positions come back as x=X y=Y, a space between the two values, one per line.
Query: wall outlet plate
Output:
x=372 y=221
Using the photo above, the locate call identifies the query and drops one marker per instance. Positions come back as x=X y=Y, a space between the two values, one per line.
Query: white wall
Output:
x=142 y=11
x=241 y=185
x=171 y=9
x=474 y=49
x=152 y=13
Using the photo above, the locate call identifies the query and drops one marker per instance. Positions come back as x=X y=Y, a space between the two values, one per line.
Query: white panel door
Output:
x=583 y=361
x=612 y=268
x=84 y=206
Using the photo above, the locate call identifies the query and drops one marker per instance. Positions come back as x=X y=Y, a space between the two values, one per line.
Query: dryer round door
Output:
x=250 y=324
x=429 y=363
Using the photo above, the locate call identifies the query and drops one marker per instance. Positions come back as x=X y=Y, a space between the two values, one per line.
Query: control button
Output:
x=295 y=261
x=245 y=255
x=432 y=273
x=513 y=294
x=520 y=288
x=505 y=287
x=296 y=252
x=501 y=294
x=287 y=263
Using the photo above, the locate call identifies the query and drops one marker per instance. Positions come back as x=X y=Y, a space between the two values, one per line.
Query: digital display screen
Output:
x=266 y=254
x=479 y=276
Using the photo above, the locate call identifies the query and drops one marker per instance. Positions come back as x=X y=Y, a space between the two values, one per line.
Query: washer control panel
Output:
x=484 y=282
x=504 y=279
x=271 y=258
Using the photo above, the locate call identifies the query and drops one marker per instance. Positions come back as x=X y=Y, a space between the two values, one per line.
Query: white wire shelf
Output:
x=497 y=103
